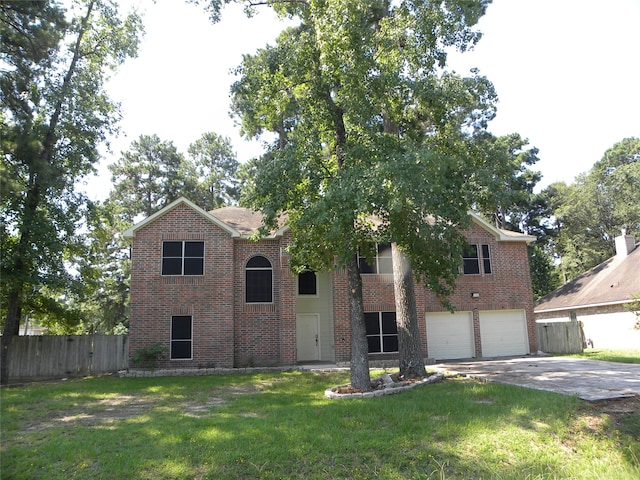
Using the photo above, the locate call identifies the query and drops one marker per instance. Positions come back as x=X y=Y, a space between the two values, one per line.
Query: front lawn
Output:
x=280 y=425
x=622 y=356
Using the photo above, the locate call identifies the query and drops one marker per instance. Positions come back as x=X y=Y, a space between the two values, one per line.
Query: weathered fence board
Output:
x=560 y=337
x=46 y=356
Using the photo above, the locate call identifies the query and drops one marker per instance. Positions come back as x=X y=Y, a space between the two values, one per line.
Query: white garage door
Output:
x=503 y=333
x=450 y=335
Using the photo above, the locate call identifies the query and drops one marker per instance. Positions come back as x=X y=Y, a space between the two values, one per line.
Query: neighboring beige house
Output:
x=599 y=299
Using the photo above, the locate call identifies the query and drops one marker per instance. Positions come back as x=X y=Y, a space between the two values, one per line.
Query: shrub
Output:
x=148 y=357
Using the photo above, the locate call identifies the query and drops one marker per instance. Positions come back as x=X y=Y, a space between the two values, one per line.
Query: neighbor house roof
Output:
x=612 y=282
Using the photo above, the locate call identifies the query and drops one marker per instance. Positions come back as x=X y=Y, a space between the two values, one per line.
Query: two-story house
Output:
x=216 y=298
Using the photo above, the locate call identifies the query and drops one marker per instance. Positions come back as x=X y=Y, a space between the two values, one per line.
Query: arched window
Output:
x=259 y=280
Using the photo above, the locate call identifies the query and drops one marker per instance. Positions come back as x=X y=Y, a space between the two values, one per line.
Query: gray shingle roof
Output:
x=243 y=220
x=613 y=281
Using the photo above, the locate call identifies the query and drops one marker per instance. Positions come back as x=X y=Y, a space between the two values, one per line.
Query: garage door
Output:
x=503 y=333
x=450 y=335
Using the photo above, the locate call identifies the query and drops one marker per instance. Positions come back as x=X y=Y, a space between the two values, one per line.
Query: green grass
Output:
x=621 y=356
x=275 y=426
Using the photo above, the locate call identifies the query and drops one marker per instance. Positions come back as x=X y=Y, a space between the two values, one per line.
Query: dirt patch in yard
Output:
x=624 y=413
x=115 y=408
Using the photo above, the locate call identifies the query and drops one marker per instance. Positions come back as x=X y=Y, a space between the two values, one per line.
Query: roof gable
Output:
x=499 y=233
x=131 y=232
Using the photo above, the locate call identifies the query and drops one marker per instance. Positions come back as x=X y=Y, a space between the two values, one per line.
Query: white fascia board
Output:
x=579 y=307
x=499 y=234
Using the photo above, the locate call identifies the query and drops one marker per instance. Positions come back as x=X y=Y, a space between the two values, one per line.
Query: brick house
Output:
x=216 y=298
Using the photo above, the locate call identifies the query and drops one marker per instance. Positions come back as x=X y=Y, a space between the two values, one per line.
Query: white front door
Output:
x=307 y=336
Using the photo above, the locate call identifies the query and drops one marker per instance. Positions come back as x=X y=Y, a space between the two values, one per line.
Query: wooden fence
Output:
x=560 y=337
x=51 y=356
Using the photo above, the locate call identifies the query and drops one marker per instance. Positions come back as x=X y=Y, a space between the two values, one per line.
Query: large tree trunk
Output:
x=360 y=377
x=409 y=348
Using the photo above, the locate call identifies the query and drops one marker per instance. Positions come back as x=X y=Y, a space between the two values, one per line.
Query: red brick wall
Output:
x=233 y=333
x=508 y=287
x=208 y=298
x=257 y=326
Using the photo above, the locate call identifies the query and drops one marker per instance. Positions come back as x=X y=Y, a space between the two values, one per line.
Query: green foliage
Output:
x=544 y=276
x=55 y=113
x=634 y=307
x=329 y=90
x=148 y=177
x=148 y=357
x=590 y=213
x=507 y=190
x=216 y=165
x=152 y=174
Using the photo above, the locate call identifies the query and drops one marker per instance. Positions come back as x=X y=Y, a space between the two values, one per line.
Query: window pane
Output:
x=258 y=284
x=193 y=266
x=384 y=250
x=172 y=266
x=181 y=327
x=180 y=349
x=172 y=249
x=364 y=266
x=389 y=322
x=307 y=283
x=385 y=265
x=390 y=343
x=486 y=259
x=258 y=262
x=372 y=322
x=194 y=249
x=374 y=344
x=471 y=264
x=470 y=251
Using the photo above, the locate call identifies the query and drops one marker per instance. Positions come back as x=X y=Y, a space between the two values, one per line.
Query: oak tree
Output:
x=326 y=90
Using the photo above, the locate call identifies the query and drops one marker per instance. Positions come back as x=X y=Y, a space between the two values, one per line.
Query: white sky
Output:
x=566 y=72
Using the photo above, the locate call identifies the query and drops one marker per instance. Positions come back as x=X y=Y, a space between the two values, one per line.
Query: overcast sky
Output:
x=566 y=72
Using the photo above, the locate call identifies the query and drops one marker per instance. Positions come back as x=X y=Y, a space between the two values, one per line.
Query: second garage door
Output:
x=503 y=333
x=450 y=335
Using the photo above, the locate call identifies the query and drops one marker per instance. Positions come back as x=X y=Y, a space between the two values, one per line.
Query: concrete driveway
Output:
x=590 y=380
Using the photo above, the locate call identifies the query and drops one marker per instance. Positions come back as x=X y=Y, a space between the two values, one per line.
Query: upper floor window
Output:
x=259 y=280
x=473 y=257
x=183 y=258
x=486 y=259
x=382 y=332
x=382 y=263
x=307 y=283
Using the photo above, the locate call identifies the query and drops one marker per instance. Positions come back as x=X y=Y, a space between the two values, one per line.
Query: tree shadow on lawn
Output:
x=282 y=426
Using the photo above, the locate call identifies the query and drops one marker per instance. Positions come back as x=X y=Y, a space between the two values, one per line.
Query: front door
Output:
x=308 y=341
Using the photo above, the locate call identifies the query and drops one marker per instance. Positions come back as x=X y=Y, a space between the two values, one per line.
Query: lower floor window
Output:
x=382 y=332
x=181 y=337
